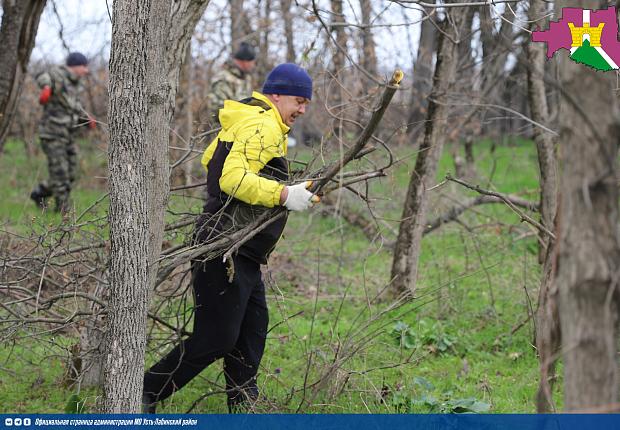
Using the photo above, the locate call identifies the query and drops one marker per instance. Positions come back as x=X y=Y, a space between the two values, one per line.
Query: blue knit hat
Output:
x=76 y=59
x=289 y=80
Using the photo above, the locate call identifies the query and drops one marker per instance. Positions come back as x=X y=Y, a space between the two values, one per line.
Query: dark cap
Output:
x=76 y=59
x=245 y=52
x=289 y=80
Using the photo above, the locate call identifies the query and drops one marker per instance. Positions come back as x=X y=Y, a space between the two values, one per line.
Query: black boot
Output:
x=149 y=404
x=40 y=194
x=63 y=204
x=242 y=402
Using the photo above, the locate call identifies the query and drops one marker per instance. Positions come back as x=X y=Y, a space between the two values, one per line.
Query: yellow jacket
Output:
x=257 y=136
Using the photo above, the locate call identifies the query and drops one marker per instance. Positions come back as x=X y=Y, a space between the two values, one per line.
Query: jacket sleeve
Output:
x=44 y=79
x=253 y=147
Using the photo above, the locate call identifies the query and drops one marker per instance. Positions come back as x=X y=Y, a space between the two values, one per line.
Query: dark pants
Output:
x=61 y=165
x=230 y=321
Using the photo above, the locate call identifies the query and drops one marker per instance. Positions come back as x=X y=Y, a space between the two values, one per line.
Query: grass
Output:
x=463 y=344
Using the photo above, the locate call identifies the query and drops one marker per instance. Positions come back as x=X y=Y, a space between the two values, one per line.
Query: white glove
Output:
x=299 y=198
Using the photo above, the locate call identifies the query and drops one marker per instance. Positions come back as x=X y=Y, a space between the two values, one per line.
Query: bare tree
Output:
x=589 y=248
x=240 y=28
x=496 y=45
x=149 y=41
x=338 y=27
x=263 y=65
x=547 y=321
x=287 y=16
x=182 y=141
x=423 y=70
x=545 y=142
x=20 y=22
x=407 y=251
x=369 y=57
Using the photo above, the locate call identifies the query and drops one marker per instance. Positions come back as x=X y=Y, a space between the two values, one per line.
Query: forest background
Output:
x=434 y=276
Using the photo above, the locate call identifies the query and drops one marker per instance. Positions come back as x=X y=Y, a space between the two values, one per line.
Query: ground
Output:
x=336 y=345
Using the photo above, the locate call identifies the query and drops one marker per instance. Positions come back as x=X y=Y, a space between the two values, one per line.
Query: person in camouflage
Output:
x=63 y=113
x=232 y=82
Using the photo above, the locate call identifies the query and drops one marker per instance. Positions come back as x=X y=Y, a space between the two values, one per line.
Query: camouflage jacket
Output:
x=229 y=83
x=64 y=111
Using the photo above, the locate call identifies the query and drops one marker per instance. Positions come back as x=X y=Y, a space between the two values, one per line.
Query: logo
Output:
x=591 y=37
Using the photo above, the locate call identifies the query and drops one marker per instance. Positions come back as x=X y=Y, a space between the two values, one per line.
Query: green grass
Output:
x=22 y=172
x=452 y=345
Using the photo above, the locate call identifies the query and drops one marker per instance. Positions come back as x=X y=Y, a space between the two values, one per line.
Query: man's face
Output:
x=79 y=71
x=290 y=107
x=246 y=66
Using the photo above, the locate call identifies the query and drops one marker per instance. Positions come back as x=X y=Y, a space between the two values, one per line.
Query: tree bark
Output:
x=129 y=221
x=547 y=319
x=285 y=6
x=92 y=353
x=589 y=249
x=463 y=135
x=240 y=28
x=369 y=57
x=423 y=71
x=496 y=45
x=407 y=251
x=545 y=143
x=341 y=36
x=20 y=22
x=149 y=40
x=337 y=94
x=188 y=117
x=548 y=332
x=263 y=65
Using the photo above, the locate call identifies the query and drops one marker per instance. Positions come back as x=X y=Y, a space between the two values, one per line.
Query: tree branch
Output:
x=508 y=201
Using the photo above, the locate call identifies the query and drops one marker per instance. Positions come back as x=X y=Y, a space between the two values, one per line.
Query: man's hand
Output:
x=45 y=95
x=92 y=123
x=297 y=197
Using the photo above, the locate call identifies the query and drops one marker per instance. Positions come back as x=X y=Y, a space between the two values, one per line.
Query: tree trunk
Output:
x=188 y=117
x=547 y=319
x=240 y=27
x=341 y=36
x=422 y=72
x=92 y=338
x=540 y=113
x=144 y=72
x=407 y=251
x=20 y=22
x=464 y=134
x=369 y=57
x=92 y=352
x=129 y=217
x=496 y=45
x=548 y=333
x=589 y=249
x=285 y=6
x=183 y=123
x=336 y=93
x=263 y=65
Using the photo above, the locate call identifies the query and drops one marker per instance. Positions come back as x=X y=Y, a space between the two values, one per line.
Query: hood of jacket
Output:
x=235 y=115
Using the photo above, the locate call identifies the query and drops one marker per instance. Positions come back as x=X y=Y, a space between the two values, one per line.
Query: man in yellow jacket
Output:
x=246 y=170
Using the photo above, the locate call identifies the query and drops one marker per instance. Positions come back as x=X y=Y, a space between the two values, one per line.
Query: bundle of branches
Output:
x=58 y=278
x=325 y=180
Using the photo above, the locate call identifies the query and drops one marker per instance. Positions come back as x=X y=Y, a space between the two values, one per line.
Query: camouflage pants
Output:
x=62 y=167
